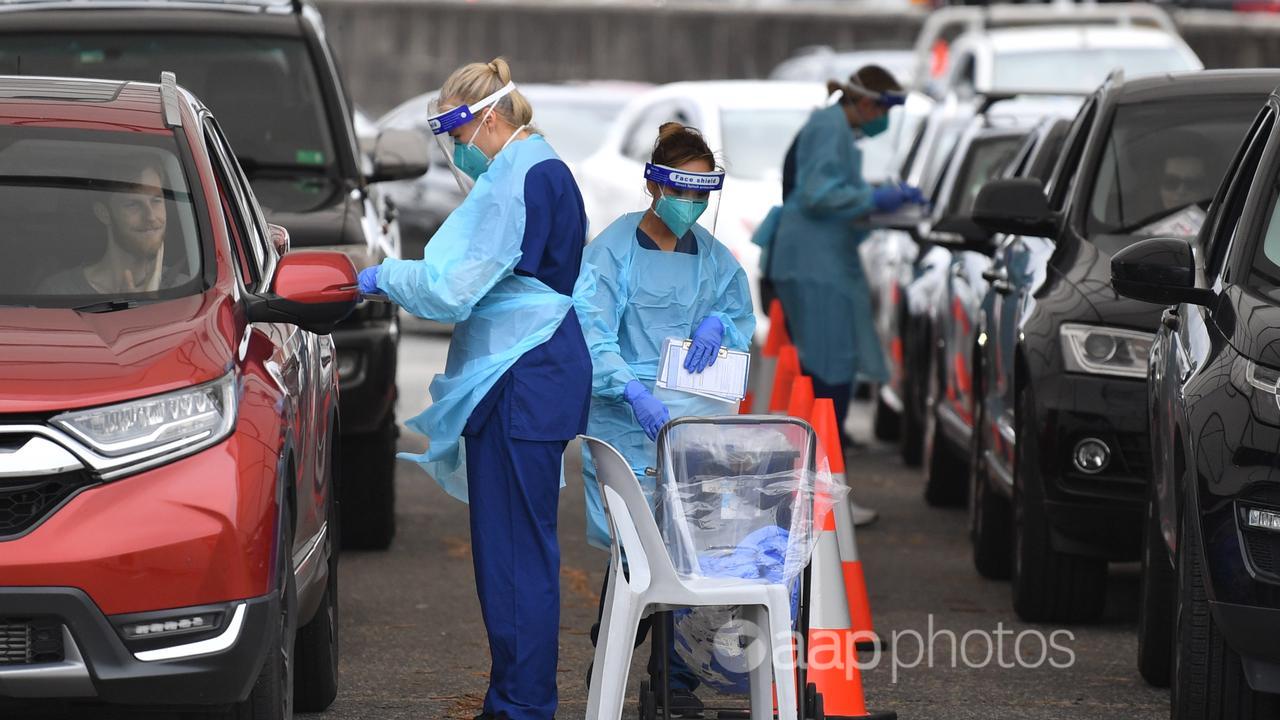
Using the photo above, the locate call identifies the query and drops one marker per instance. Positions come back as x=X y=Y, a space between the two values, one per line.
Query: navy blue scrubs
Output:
x=515 y=441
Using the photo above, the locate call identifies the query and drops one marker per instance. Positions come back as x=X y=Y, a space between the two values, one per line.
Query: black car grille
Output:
x=1264 y=552
x=28 y=641
x=1135 y=454
x=25 y=502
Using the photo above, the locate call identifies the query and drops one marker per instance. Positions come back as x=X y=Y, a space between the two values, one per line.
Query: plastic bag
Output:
x=740 y=500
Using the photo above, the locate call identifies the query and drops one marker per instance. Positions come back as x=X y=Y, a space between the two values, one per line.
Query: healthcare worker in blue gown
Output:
x=813 y=258
x=517 y=381
x=658 y=274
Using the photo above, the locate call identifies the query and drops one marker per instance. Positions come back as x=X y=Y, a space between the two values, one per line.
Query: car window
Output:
x=986 y=159
x=1073 y=148
x=1224 y=214
x=245 y=233
x=263 y=89
x=1046 y=153
x=643 y=132
x=1162 y=163
x=1080 y=70
x=93 y=215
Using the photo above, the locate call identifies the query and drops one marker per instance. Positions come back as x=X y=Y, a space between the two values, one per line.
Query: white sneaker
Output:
x=861 y=515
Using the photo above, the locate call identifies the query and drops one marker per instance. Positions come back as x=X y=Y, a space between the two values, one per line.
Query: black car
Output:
x=1210 y=599
x=951 y=252
x=1064 y=435
x=977 y=295
x=267 y=72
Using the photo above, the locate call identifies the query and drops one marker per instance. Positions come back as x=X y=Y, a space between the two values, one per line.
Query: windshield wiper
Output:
x=104 y=306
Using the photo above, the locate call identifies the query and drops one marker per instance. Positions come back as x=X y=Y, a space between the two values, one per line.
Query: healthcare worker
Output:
x=813 y=259
x=517 y=381
x=658 y=274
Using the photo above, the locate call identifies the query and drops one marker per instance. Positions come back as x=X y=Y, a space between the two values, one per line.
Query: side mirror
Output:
x=399 y=155
x=279 y=238
x=1016 y=206
x=961 y=233
x=1159 y=270
x=314 y=290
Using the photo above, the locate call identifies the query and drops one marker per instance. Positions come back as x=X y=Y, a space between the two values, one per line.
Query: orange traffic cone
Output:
x=832 y=660
x=764 y=366
x=786 y=374
x=778 y=336
x=800 y=404
x=855 y=582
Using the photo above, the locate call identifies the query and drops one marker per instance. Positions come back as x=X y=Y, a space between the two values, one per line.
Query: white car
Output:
x=939 y=63
x=748 y=124
x=821 y=63
x=1063 y=58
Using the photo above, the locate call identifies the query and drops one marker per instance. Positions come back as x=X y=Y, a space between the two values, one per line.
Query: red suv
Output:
x=168 y=414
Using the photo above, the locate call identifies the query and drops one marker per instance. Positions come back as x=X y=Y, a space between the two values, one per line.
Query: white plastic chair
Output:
x=654 y=586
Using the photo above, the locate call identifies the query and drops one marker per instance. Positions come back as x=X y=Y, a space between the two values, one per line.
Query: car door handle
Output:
x=992 y=275
x=1169 y=318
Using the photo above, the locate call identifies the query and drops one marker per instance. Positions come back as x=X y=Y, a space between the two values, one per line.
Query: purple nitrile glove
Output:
x=706 y=345
x=368 y=281
x=887 y=198
x=649 y=410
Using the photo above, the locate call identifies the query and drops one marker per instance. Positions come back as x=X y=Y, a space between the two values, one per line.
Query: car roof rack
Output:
x=169 y=99
x=280 y=7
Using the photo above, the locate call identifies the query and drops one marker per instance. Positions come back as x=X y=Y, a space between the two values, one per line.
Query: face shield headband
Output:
x=683 y=179
x=885 y=100
x=443 y=122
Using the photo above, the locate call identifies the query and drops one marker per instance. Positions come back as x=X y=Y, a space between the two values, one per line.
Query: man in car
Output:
x=1186 y=178
x=132 y=212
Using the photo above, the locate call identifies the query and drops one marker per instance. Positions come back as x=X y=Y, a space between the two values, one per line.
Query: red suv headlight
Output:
x=162 y=426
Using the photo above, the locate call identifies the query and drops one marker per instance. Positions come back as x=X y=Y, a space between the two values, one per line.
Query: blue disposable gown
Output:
x=815 y=265
x=466 y=276
x=630 y=299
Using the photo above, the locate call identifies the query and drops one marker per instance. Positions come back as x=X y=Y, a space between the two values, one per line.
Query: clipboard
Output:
x=726 y=380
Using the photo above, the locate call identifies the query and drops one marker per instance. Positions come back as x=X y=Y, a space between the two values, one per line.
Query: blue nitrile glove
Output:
x=368 y=281
x=912 y=194
x=649 y=410
x=706 y=345
x=887 y=198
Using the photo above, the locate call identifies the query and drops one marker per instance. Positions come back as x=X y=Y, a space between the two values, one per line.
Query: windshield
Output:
x=756 y=140
x=262 y=89
x=1162 y=164
x=1081 y=70
x=986 y=160
x=91 y=216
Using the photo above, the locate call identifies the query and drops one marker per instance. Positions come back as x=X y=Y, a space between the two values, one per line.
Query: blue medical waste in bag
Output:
x=709 y=640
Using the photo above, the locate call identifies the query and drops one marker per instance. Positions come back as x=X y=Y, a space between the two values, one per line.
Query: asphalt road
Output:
x=414 y=647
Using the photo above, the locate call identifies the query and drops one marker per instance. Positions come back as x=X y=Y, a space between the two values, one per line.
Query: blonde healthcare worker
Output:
x=517 y=381
x=658 y=274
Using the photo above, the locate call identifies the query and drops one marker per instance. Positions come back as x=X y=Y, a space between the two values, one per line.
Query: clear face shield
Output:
x=686 y=197
x=885 y=100
x=466 y=161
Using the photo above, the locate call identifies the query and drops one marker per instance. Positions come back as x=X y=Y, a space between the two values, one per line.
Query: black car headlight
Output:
x=160 y=427
x=1260 y=385
x=1105 y=351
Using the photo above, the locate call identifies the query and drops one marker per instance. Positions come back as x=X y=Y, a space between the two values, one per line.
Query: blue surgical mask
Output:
x=679 y=214
x=877 y=126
